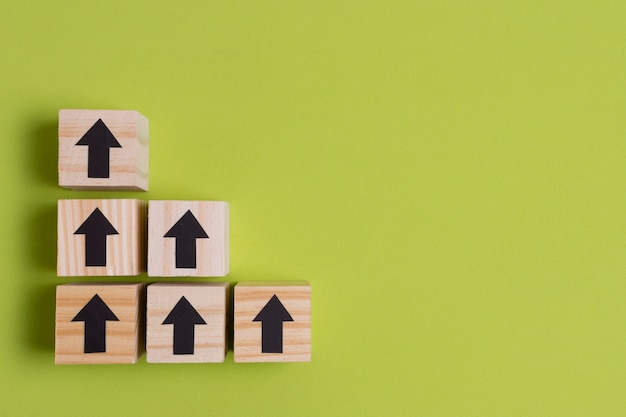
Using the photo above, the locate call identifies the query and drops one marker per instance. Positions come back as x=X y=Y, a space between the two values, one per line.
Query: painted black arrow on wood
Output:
x=186 y=231
x=272 y=317
x=100 y=140
x=96 y=229
x=184 y=317
x=95 y=314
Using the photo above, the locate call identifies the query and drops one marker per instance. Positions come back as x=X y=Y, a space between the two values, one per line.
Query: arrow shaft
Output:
x=272 y=337
x=185 y=252
x=184 y=335
x=95 y=250
x=98 y=162
x=95 y=336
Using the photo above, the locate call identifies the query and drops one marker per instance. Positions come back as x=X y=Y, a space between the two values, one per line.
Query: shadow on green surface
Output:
x=39 y=317
x=41 y=254
x=42 y=242
x=43 y=150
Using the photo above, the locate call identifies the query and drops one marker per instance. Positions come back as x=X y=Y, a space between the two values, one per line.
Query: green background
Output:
x=448 y=175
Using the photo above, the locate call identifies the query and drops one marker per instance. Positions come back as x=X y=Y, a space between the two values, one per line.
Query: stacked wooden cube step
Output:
x=101 y=237
x=188 y=238
x=272 y=322
x=186 y=322
x=99 y=323
x=103 y=150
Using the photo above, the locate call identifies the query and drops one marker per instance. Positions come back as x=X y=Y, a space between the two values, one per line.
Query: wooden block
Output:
x=101 y=237
x=188 y=238
x=186 y=322
x=272 y=322
x=103 y=150
x=99 y=323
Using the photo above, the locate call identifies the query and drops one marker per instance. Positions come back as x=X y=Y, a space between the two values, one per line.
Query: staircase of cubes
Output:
x=180 y=321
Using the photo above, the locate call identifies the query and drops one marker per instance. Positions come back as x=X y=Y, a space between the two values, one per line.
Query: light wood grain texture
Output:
x=125 y=251
x=212 y=253
x=124 y=338
x=250 y=298
x=210 y=302
x=128 y=163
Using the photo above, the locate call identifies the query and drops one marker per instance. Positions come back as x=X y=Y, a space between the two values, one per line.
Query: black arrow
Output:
x=184 y=317
x=96 y=229
x=99 y=139
x=186 y=231
x=272 y=317
x=95 y=314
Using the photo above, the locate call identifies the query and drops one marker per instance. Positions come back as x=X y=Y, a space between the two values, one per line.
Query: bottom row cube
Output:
x=98 y=323
x=184 y=322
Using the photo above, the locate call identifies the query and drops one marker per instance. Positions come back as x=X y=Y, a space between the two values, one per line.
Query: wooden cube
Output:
x=272 y=322
x=103 y=150
x=188 y=238
x=186 y=322
x=99 y=323
x=101 y=237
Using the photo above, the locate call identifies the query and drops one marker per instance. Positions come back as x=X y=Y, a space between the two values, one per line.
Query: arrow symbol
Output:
x=184 y=317
x=99 y=139
x=186 y=231
x=272 y=317
x=96 y=229
x=95 y=314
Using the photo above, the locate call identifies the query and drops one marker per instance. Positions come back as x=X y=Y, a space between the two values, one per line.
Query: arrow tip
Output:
x=274 y=310
x=183 y=312
x=187 y=227
x=99 y=134
x=95 y=309
x=96 y=222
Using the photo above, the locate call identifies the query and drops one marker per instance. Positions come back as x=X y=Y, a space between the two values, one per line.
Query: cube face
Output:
x=98 y=323
x=272 y=322
x=101 y=237
x=188 y=238
x=186 y=322
x=103 y=150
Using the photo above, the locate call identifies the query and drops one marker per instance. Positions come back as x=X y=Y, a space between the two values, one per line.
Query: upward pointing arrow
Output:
x=99 y=139
x=186 y=231
x=95 y=314
x=184 y=317
x=96 y=229
x=272 y=317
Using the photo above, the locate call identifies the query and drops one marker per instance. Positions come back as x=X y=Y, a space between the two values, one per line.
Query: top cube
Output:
x=103 y=150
